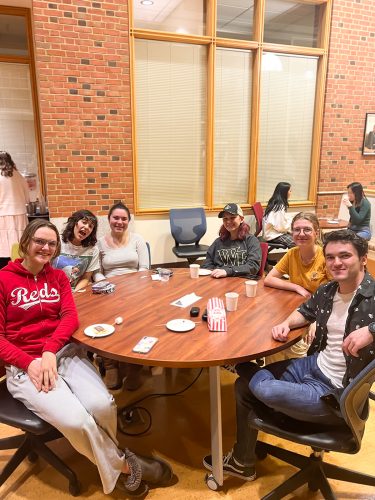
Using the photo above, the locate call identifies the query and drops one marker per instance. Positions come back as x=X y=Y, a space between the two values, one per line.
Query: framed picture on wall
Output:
x=369 y=135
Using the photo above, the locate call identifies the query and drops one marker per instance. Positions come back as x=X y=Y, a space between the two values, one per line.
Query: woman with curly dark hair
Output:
x=79 y=256
x=14 y=195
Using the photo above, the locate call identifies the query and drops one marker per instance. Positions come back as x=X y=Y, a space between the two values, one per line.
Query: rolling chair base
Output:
x=313 y=471
x=32 y=446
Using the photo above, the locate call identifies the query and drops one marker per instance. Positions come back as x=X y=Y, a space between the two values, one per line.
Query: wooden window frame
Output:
x=258 y=47
x=30 y=61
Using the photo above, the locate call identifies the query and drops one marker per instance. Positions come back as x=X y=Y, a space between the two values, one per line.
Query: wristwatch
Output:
x=371 y=329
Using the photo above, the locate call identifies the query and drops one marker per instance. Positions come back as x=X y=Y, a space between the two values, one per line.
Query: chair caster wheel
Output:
x=32 y=457
x=211 y=482
x=260 y=451
x=75 y=489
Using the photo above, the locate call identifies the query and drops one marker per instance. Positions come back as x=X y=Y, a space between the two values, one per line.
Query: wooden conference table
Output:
x=333 y=223
x=145 y=307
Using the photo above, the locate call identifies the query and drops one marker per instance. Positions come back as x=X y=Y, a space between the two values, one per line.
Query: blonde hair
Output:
x=311 y=217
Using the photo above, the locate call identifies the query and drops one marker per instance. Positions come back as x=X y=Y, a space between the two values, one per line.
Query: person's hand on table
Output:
x=219 y=273
x=48 y=371
x=280 y=332
x=302 y=291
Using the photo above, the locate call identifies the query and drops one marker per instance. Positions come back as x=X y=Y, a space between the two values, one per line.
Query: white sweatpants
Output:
x=80 y=407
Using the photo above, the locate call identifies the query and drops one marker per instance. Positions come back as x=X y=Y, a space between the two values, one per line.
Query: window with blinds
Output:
x=17 y=131
x=228 y=100
x=287 y=99
x=232 y=126
x=170 y=87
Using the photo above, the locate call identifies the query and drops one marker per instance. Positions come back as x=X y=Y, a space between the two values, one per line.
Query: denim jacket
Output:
x=361 y=312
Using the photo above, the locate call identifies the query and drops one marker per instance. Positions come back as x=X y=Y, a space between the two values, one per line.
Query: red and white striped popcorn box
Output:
x=216 y=315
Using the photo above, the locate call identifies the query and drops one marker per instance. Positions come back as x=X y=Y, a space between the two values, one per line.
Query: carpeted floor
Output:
x=180 y=433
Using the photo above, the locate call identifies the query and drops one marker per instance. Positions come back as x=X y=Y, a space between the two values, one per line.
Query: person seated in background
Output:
x=79 y=257
x=53 y=377
x=236 y=252
x=305 y=265
x=359 y=210
x=121 y=252
x=276 y=225
x=309 y=388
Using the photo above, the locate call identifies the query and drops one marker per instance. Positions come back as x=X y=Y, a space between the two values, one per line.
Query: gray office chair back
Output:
x=354 y=402
x=188 y=225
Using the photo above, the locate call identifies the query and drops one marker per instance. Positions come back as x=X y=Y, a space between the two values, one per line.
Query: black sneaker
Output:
x=232 y=467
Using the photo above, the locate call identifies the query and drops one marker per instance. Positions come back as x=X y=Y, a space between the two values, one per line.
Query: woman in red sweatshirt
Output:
x=53 y=377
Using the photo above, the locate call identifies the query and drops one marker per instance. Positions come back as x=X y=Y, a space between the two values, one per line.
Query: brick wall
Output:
x=350 y=94
x=82 y=61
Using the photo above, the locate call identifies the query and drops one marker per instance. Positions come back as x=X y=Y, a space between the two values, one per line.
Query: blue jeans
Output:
x=363 y=232
x=292 y=387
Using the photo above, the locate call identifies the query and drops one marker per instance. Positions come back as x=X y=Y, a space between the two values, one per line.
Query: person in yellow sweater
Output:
x=306 y=268
x=305 y=263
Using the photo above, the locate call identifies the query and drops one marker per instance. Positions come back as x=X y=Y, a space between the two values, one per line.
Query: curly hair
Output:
x=29 y=232
x=347 y=236
x=7 y=165
x=68 y=233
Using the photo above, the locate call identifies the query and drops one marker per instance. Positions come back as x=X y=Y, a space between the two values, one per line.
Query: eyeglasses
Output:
x=42 y=243
x=304 y=230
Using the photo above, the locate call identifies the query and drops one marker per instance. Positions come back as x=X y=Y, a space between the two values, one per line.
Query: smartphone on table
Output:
x=145 y=345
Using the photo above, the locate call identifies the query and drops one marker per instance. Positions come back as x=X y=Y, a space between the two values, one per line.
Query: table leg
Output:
x=216 y=426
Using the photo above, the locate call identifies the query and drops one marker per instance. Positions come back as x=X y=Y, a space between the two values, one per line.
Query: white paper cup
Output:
x=251 y=288
x=231 y=301
x=194 y=270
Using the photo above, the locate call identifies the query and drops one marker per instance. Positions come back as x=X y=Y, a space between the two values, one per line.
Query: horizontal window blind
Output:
x=17 y=133
x=171 y=88
x=232 y=125
x=288 y=84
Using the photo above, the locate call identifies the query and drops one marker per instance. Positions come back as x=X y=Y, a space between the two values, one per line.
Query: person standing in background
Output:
x=359 y=210
x=14 y=195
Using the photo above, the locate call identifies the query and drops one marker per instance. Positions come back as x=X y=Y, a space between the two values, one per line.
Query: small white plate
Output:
x=99 y=330
x=204 y=272
x=180 y=325
x=333 y=221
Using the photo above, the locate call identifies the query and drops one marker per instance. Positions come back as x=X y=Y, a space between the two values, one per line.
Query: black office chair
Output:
x=345 y=438
x=31 y=443
x=258 y=214
x=188 y=226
